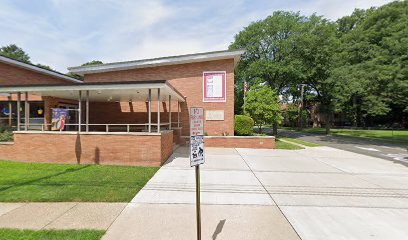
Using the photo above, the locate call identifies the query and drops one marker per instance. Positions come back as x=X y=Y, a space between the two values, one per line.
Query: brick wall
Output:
x=13 y=97
x=187 y=79
x=112 y=149
x=240 y=142
x=177 y=135
x=129 y=112
x=166 y=145
x=12 y=75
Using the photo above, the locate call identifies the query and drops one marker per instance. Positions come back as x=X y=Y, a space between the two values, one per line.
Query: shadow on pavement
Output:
x=218 y=229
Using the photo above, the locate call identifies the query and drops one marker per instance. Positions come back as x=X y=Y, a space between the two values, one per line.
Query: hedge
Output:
x=243 y=125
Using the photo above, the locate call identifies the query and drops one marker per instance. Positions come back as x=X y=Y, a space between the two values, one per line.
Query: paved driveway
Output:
x=373 y=148
x=315 y=193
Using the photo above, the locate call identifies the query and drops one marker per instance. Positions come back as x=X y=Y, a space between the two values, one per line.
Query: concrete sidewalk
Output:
x=315 y=193
x=70 y=215
x=235 y=204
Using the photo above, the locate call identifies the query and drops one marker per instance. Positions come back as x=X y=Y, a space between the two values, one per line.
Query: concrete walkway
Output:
x=70 y=215
x=235 y=204
x=315 y=193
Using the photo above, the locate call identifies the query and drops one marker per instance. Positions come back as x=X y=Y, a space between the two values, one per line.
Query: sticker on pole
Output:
x=196 y=150
x=196 y=136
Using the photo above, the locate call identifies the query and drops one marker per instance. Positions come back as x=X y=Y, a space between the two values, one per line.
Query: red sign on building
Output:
x=214 y=86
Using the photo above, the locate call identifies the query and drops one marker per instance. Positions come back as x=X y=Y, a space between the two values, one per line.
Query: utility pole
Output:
x=245 y=91
x=301 y=106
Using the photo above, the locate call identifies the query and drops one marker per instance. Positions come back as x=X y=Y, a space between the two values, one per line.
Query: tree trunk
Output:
x=355 y=112
x=328 y=122
x=260 y=128
x=274 y=129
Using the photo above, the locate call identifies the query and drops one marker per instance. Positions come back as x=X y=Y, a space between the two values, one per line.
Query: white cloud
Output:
x=334 y=9
x=64 y=33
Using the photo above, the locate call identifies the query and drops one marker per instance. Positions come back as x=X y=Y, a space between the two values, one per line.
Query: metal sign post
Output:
x=198 y=201
x=197 y=154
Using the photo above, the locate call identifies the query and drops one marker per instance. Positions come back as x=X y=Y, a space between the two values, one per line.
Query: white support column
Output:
x=87 y=112
x=79 y=110
x=178 y=113
x=158 y=110
x=26 y=111
x=18 y=111
x=169 y=112
x=10 y=111
x=150 y=110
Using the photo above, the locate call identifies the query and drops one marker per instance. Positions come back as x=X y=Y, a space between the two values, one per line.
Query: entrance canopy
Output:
x=113 y=92
x=102 y=92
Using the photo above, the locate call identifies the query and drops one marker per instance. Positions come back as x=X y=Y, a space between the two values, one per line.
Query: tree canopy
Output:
x=15 y=52
x=93 y=62
x=261 y=103
x=373 y=59
x=45 y=67
x=356 y=65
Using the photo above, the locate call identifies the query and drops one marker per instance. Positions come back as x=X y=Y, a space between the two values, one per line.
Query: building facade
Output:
x=131 y=113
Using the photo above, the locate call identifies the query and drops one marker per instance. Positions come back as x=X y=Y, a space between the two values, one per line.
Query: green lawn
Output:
x=42 y=182
x=397 y=136
x=15 y=234
x=304 y=143
x=287 y=146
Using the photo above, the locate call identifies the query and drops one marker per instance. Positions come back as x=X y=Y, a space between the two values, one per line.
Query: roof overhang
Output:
x=173 y=60
x=102 y=92
x=34 y=68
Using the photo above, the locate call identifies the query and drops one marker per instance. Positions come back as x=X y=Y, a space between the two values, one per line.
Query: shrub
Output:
x=6 y=136
x=243 y=125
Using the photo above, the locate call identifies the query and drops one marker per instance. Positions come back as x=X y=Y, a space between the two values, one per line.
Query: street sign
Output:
x=197 y=155
x=196 y=150
x=196 y=121
x=196 y=136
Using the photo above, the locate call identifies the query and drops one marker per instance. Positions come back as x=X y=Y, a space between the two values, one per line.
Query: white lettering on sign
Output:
x=196 y=121
x=196 y=150
x=214 y=115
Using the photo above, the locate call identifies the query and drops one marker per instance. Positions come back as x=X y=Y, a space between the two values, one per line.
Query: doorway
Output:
x=72 y=116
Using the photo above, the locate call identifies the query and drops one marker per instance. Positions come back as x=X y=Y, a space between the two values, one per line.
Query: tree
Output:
x=45 y=67
x=373 y=60
x=317 y=48
x=357 y=65
x=74 y=75
x=262 y=104
x=93 y=62
x=79 y=77
x=287 y=49
x=269 y=53
x=15 y=52
x=291 y=115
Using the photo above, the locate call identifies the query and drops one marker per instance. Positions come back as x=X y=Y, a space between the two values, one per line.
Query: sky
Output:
x=65 y=33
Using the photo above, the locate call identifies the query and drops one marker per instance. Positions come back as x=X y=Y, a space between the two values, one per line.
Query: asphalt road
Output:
x=387 y=151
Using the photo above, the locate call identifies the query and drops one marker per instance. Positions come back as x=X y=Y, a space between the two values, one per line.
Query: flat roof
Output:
x=102 y=92
x=38 y=69
x=154 y=62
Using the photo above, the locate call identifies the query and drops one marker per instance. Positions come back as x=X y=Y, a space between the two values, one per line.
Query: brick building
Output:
x=121 y=113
